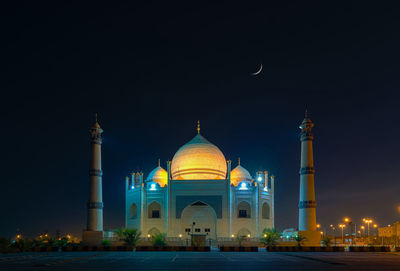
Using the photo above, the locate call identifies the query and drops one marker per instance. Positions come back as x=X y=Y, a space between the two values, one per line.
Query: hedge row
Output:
x=238 y=249
x=304 y=249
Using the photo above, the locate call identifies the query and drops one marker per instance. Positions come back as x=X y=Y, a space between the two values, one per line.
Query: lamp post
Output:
x=342 y=226
x=333 y=232
x=368 y=221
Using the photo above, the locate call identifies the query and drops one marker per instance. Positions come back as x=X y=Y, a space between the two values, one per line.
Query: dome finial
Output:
x=198 y=127
x=306 y=114
x=95 y=117
x=239 y=161
x=158 y=161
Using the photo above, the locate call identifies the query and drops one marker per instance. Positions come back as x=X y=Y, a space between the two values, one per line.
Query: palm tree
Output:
x=327 y=241
x=270 y=237
x=299 y=239
x=129 y=236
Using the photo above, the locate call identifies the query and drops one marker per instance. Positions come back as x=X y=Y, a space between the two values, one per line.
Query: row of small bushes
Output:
x=238 y=249
x=303 y=249
x=24 y=244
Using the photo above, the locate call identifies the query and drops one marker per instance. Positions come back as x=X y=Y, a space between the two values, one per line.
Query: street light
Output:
x=368 y=221
x=342 y=226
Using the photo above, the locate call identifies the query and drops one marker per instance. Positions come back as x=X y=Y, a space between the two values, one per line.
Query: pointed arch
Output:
x=244 y=232
x=153 y=231
x=133 y=211
x=244 y=210
x=266 y=211
x=154 y=210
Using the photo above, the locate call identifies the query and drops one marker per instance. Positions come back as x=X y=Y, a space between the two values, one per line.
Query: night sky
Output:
x=152 y=70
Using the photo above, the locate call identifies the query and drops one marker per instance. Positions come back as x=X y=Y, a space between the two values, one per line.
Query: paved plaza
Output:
x=205 y=261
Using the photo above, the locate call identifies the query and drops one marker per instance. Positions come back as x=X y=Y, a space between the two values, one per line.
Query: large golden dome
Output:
x=198 y=160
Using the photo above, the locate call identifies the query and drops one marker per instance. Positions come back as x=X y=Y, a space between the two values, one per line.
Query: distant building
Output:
x=390 y=230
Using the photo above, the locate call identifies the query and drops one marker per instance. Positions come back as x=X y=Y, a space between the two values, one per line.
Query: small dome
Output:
x=239 y=174
x=158 y=175
x=198 y=160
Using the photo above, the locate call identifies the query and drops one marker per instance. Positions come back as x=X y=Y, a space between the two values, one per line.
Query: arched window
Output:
x=133 y=211
x=154 y=210
x=265 y=211
x=244 y=210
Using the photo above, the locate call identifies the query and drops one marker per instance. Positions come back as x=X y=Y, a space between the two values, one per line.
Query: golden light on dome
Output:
x=239 y=174
x=159 y=175
x=198 y=160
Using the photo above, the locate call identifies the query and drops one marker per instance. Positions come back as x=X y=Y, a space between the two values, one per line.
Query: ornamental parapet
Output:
x=307 y=170
x=96 y=172
x=96 y=139
x=307 y=204
x=306 y=136
x=95 y=205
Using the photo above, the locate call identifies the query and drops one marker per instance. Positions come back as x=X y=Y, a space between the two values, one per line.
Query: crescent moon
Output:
x=259 y=70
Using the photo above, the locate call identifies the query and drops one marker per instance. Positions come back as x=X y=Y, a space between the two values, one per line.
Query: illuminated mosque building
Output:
x=198 y=194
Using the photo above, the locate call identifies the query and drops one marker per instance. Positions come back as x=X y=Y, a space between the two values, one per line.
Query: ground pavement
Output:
x=205 y=261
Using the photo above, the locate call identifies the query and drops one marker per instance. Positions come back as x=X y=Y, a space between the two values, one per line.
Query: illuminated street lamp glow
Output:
x=318 y=226
x=368 y=221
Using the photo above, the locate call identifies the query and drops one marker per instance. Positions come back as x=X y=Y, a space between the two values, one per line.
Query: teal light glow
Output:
x=243 y=186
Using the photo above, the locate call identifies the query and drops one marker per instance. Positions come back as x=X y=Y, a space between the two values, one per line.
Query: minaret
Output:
x=307 y=203
x=94 y=229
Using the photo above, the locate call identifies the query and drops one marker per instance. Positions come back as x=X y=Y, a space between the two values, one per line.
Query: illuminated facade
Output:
x=199 y=194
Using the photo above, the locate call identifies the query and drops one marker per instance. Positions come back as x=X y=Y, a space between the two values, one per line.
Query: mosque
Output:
x=200 y=195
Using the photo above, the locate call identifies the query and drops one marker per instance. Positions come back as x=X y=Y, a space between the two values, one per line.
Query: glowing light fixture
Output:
x=153 y=186
x=132 y=187
x=259 y=178
x=243 y=186
x=248 y=235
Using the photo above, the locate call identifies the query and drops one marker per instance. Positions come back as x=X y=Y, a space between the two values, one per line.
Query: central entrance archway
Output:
x=204 y=218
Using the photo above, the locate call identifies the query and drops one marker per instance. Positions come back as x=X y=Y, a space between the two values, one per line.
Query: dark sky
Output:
x=152 y=70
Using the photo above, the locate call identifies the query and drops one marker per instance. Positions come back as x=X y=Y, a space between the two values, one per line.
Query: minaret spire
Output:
x=94 y=230
x=198 y=127
x=307 y=204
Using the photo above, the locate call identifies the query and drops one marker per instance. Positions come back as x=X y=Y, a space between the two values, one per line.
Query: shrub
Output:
x=299 y=239
x=5 y=244
x=129 y=236
x=105 y=242
x=327 y=241
x=240 y=239
x=270 y=237
x=159 y=240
